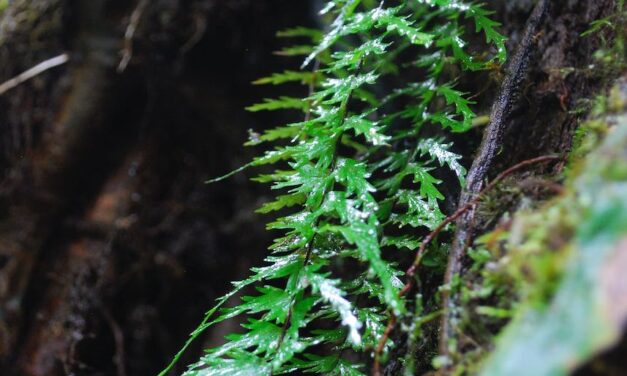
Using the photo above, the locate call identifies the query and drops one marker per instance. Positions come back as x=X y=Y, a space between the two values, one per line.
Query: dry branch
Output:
x=34 y=72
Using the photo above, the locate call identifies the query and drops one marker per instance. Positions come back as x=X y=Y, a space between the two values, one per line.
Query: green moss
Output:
x=542 y=268
x=562 y=319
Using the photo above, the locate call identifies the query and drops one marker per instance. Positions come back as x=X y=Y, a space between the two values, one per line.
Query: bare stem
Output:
x=33 y=72
x=411 y=272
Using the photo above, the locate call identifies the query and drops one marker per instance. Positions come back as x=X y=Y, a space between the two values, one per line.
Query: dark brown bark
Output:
x=111 y=246
x=534 y=114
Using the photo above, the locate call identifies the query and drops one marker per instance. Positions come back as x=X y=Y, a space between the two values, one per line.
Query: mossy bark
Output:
x=550 y=71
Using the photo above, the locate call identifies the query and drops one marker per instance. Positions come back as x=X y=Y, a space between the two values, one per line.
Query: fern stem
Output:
x=308 y=253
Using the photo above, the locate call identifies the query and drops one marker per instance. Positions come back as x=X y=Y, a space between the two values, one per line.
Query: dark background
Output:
x=112 y=246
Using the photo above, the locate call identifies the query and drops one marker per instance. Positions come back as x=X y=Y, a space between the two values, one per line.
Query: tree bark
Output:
x=111 y=246
x=534 y=113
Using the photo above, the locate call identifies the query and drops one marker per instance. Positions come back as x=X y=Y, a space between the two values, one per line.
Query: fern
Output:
x=357 y=176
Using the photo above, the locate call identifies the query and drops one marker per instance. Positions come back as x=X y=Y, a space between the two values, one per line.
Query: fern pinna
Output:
x=356 y=180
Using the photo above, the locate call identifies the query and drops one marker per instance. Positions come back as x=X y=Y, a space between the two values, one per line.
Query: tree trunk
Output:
x=111 y=246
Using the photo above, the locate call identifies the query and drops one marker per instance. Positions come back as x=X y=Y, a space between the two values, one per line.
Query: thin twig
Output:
x=129 y=34
x=33 y=72
x=201 y=27
x=411 y=272
x=118 y=337
x=376 y=368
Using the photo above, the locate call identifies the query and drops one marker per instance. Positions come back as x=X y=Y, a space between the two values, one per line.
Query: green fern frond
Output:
x=356 y=177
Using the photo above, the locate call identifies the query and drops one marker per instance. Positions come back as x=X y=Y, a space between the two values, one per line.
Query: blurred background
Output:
x=111 y=245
